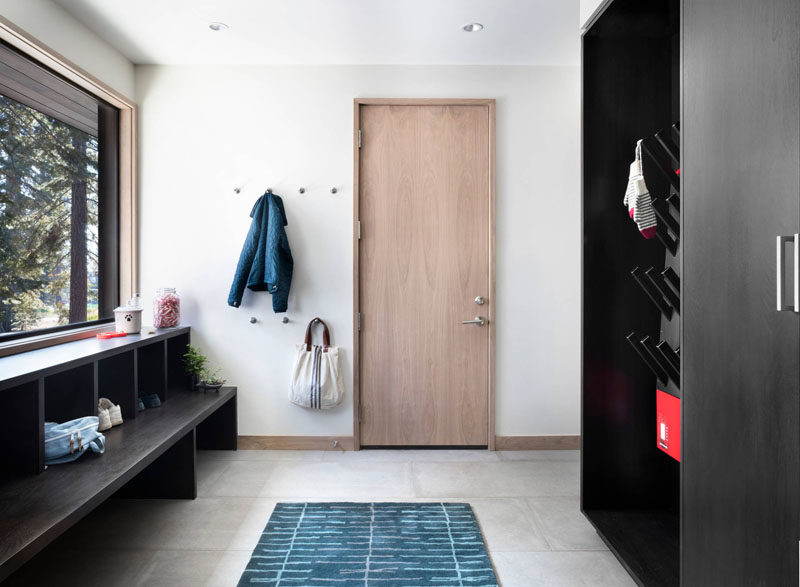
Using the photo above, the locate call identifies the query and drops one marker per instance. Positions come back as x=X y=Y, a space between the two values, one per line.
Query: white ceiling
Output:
x=518 y=32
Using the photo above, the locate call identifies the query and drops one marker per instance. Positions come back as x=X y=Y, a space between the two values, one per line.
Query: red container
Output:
x=668 y=424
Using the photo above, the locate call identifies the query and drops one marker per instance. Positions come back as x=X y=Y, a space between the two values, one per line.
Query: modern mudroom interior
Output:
x=375 y=293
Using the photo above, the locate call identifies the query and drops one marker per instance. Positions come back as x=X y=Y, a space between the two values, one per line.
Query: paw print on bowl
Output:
x=128 y=317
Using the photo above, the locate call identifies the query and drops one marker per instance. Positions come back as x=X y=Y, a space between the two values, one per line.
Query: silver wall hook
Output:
x=253 y=320
x=237 y=190
x=285 y=320
x=334 y=190
x=269 y=190
x=301 y=190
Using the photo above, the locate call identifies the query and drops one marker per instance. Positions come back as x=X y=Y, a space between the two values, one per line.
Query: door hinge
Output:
x=359 y=413
x=359 y=321
x=359 y=138
x=358 y=228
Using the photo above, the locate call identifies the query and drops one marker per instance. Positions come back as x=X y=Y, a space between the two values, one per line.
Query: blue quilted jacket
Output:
x=265 y=263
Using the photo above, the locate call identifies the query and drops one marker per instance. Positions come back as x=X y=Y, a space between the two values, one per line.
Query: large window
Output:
x=59 y=241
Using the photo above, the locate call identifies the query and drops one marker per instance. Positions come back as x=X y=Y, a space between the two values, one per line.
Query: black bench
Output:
x=151 y=455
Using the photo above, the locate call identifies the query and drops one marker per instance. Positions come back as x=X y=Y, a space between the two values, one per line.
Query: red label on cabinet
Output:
x=668 y=424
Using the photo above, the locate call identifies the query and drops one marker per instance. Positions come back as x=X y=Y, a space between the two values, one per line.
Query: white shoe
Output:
x=114 y=411
x=104 y=420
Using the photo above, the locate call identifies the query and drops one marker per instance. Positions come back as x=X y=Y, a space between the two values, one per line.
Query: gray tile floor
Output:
x=525 y=502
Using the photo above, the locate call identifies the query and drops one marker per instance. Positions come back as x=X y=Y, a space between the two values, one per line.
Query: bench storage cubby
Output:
x=151 y=455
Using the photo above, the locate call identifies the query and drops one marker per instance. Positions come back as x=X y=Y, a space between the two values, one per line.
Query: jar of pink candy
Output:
x=166 y=308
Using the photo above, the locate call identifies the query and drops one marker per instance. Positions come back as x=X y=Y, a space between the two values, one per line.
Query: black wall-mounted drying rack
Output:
x=660 y=357
x=662 y=286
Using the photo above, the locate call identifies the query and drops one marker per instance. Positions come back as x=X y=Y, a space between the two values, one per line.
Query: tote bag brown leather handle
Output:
x=326 y=337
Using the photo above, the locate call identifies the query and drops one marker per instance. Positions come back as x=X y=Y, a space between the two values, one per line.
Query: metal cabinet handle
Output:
x=780 y=261
x=479 y=320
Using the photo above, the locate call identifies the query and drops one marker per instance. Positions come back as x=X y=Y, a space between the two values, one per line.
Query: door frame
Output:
x=490 y=103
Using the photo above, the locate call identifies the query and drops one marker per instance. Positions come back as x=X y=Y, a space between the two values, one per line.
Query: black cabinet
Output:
x=741 y=409
x=713 y=87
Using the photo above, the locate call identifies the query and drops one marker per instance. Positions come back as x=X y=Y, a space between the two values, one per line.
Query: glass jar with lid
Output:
x=166 y=308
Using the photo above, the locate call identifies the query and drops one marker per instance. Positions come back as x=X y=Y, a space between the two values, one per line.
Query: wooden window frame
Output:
x=127 y=219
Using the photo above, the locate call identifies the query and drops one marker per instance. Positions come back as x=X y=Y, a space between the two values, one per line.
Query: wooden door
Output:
x=741 y=381
x=424 y=205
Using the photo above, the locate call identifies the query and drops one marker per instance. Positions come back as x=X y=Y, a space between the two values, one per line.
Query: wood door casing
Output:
x=424 y=204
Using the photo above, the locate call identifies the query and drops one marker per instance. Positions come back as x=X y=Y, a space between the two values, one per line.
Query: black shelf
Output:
x=116 y=380
x=64 y=382
x=70 y=394
x=22 y=427
x=632 y=310
x=645 y=541
x=31 y=365
x=151 y=367
x=176 y=374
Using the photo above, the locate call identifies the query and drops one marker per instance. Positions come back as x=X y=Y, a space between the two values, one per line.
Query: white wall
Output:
x=587 y=9
x=56 y=28
x=205 y=130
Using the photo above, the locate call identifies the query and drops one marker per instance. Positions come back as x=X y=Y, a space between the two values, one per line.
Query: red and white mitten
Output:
x=635 y=173
x=643 y=215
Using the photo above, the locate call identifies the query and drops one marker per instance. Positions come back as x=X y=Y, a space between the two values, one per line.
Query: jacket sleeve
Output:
x=246 y=257
x=284 y=264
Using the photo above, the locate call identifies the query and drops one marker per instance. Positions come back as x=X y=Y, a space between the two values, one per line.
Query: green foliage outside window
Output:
x=48 y=221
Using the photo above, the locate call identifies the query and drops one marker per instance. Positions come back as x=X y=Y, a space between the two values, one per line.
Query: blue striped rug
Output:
x=349 y=544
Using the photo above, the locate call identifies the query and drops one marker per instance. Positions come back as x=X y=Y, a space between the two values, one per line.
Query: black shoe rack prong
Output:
x=672 y=279
x=666 y=239
x=658 y=281
x=650 y=288
x=676 y=132
x=674 y=200
x=663 y=214
x=665 y=170
x=669 y=354
x=651 y=348
x=669 y=147
x=647 y=358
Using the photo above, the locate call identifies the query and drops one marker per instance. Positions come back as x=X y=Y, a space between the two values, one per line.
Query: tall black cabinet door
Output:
x=741 y=381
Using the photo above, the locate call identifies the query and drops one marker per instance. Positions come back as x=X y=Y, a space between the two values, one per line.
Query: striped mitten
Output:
x=643 y=214
x=635 y=173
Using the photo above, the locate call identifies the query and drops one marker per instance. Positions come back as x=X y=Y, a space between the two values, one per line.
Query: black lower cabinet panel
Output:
x=645 y=541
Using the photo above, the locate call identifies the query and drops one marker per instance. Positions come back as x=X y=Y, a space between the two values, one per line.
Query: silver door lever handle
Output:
x=479 y=320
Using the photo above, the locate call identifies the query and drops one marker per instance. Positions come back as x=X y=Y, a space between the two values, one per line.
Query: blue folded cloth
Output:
x=150 y=401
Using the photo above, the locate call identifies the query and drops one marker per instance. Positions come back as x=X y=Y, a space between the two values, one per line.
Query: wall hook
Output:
x=269 y=190
x=285 y=320
x=301 y=190
x=253 y=320
x=334 y=190
x=237 y=190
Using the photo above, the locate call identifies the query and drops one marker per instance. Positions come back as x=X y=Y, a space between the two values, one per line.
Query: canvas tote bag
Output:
x=317 y=381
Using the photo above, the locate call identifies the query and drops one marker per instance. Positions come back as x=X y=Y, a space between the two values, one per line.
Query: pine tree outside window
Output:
x=58 y=202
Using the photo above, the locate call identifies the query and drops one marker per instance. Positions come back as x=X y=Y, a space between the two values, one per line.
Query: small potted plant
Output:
x=211 y=379
x=194 y=363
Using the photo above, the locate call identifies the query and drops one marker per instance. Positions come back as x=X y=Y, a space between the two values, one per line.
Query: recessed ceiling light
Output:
x=218 y=26
x=472 y=27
